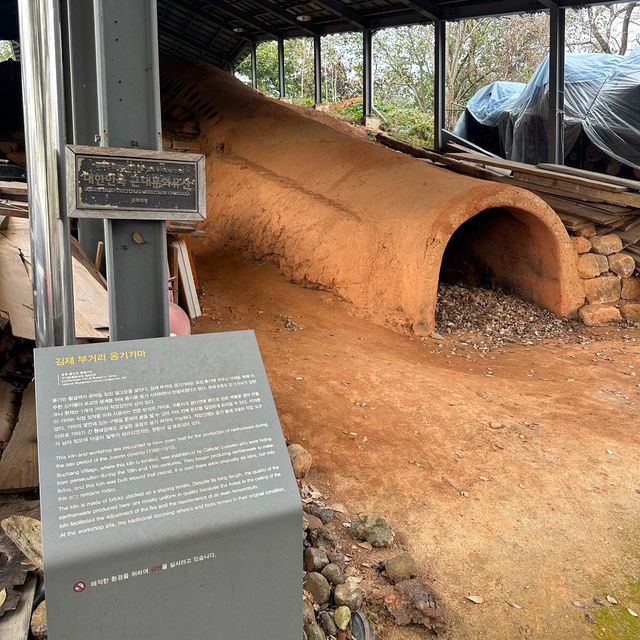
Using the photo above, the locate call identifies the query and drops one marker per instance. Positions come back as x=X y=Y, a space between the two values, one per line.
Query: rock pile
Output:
x=612 y=292
x=339 y=598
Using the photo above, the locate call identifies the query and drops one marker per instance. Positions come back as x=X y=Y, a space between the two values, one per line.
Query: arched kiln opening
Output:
x=507 y=249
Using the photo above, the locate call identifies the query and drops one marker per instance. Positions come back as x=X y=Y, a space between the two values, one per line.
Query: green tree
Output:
x=6 y=50
x=298 y=55
x=478 y=52
x=612 y=29
x=341 y=66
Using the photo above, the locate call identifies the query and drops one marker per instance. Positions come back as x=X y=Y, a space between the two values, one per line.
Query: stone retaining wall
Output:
x=611 y=286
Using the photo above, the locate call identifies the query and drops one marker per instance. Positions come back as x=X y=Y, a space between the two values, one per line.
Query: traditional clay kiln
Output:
x=338 y=211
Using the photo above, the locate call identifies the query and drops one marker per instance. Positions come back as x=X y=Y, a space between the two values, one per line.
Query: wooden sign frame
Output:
x=107 y=182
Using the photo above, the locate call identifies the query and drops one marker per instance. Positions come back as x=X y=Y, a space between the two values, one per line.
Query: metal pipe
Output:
x=317 y=69
x=440 y=83
x=367 y=73
x=281 y=78
x=556 y=85
x=254 y=65
x=43 y=102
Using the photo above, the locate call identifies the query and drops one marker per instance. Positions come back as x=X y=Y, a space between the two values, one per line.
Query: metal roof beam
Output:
x=190 y=9
x=489 y=8
x=243 y=17
x=195 y=49
x=425 y=8
x=287 y=17
x=342 y=11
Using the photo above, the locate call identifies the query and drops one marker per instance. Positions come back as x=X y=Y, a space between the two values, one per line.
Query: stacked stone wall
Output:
x=609 y=277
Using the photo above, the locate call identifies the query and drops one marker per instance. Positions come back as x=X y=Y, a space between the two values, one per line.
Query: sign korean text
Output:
x=132 y=183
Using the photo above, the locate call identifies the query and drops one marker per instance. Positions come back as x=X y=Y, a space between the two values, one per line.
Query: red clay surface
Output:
x=355 y=217
x=556 y=519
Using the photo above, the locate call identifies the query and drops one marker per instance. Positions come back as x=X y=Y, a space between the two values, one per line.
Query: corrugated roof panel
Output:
x=212 y=22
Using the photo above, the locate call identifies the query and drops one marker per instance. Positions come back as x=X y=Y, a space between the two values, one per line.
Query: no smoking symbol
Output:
x=79 y=587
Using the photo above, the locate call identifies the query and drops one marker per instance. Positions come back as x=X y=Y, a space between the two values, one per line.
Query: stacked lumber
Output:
x=89 y=287
x=581 y=198
x=18 y=450
x=18 y=479
x=183 y=280
x=13 y=199
x=16 y=292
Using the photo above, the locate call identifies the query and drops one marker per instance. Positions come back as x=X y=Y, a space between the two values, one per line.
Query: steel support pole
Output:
x=129 y=113
x=367 y=73
x=556 y=86
x=440 y=83
x=43 y=101
x=83 y=126
x=281 y=78
x=254 y=65
x=317 y=69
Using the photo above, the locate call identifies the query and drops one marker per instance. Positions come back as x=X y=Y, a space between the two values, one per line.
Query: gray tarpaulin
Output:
x=602 y=98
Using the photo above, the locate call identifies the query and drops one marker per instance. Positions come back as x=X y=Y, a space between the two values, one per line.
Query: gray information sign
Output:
x=169 y=507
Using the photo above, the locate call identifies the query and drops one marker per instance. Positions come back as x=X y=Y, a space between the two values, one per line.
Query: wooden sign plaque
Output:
x=104 y=182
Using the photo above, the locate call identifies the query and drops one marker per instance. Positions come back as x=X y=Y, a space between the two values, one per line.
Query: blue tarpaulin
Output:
x=602 y=99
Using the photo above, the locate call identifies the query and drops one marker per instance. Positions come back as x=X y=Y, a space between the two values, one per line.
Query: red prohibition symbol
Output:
x=79 y=587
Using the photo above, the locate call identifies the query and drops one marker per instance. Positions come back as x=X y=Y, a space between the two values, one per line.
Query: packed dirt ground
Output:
x=509 y=474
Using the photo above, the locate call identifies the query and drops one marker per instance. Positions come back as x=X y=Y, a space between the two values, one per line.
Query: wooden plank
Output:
x=464 y=167
x=609 y=208
x=551 y=190
x=187 y=284
x=530 y=169
x=634 y=223
x=19 y=462
x=461 y=148
x=99 y=254
x=16 y=294
x=14 y=625
x=15 y=570
x=91 y=303
x=192 y=262
x=26 y=533
x=634 y=185
x=14 y=190
x=14 y=208
x=632 y=236
x=174 y=280
x=589 y=207
x=572 y=222
x=78 y=253
x=576 y=209
x=8 y=410
x=625 y=198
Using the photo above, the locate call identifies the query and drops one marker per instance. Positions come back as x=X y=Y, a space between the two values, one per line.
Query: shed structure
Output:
x=217 y=32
